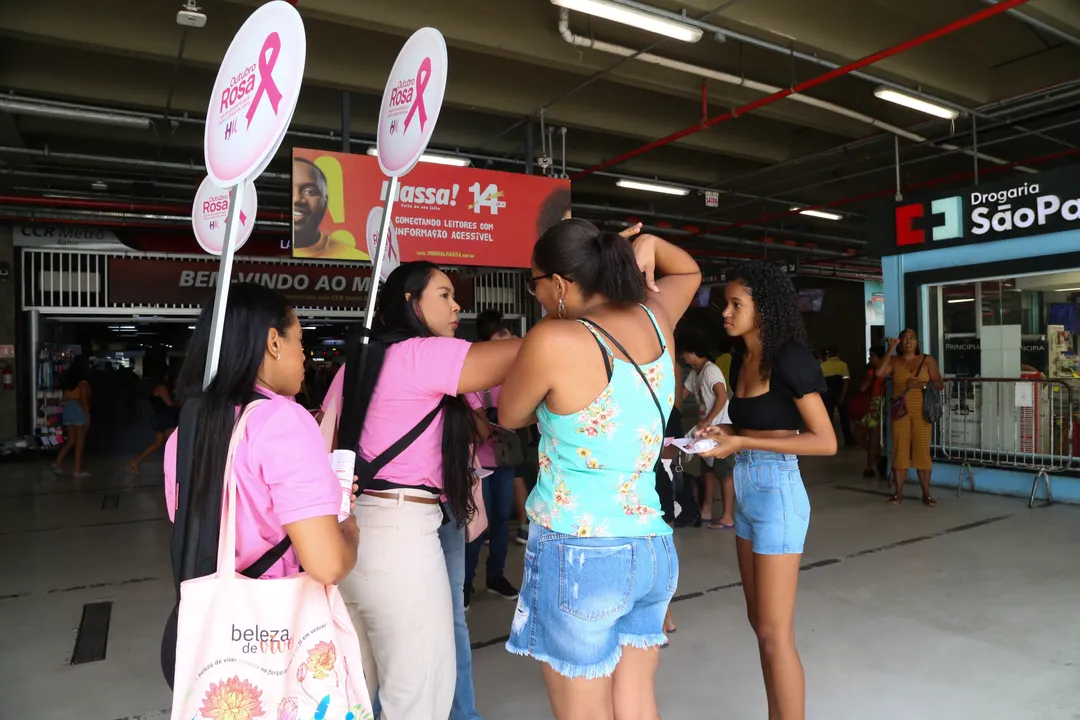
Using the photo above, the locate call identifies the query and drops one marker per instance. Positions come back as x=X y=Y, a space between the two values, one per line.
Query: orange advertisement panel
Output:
x=447 y=215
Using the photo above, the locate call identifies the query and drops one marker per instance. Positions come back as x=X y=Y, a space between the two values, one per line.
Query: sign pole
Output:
x=380 y=254
x=224 y=280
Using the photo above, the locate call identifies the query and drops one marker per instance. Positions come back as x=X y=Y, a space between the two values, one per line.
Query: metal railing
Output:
x=1012 y=423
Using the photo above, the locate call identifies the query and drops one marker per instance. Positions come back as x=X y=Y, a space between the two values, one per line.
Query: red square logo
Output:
x=906 y=234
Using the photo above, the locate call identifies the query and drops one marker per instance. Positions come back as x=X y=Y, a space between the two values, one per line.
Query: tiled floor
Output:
x=969 y=610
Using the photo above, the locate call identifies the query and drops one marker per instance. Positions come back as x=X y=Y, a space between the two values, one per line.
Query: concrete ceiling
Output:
x=508 y=61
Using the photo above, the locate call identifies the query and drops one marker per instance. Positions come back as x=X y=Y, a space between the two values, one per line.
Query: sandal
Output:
x=895 y=499
x=929 y=501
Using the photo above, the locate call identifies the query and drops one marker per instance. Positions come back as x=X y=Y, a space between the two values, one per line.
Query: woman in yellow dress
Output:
x=911 y=371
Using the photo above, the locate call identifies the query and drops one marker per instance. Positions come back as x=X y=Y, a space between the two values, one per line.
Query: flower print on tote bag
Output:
x=281 y=649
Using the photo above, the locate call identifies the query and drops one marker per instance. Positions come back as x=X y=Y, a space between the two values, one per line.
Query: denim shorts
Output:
x=582 y=599
x=772 y=509
x=73 y=414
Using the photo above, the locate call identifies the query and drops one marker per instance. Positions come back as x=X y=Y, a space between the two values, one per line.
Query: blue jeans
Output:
x=499 y=501
x=584 y=598
x=772 y=509
x=452 y=538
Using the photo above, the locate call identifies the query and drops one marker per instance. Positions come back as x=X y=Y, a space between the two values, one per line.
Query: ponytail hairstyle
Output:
x=601 y=263
x=251 y=312
x=398 y=319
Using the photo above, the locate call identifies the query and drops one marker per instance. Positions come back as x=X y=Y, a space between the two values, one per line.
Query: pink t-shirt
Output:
x=486 y=453
x=415 y=375
x=282 y=476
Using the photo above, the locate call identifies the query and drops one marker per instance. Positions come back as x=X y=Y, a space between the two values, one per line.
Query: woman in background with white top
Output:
x=706 y=382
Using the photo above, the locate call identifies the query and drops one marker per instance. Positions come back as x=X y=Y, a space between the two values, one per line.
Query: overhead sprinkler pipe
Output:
x=942 y=31
x=740 y=81
x=893 y=191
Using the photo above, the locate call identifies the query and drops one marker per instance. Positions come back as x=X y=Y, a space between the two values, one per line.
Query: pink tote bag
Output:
x=282 y=648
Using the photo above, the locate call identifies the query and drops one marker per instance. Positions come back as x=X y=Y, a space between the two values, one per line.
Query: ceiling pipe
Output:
x=134 y=162
x=582 y=41
x=891 y=191
x=1039 y=25
x=790 y=52
x=706 y=220
x=946 y=29
x=741 y=242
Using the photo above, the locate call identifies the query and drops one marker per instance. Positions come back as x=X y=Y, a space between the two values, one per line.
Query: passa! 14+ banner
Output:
x=448 y=215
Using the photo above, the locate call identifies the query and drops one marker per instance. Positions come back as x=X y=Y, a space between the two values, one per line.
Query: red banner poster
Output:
x=447 y=215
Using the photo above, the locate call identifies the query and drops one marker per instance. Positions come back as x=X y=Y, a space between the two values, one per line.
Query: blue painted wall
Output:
x=893 y=269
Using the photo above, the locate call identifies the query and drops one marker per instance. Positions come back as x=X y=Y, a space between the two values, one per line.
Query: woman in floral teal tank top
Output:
x=597 y=374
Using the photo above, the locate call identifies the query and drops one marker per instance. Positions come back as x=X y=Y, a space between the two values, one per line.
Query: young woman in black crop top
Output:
x=777 y=414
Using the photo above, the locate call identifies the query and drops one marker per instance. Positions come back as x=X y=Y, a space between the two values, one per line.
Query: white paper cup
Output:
x=343 y=463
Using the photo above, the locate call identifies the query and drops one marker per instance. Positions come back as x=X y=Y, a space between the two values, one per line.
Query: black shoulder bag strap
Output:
x=663 y=488
x=373 y=467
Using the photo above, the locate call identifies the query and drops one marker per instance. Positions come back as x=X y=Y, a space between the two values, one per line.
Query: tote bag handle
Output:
x=226 y=568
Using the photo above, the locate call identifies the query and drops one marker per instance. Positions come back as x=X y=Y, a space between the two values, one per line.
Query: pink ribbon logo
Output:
x=422 y=77
x=267 y=86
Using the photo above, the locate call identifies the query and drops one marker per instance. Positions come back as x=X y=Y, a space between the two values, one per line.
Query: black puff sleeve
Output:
x=799 y=371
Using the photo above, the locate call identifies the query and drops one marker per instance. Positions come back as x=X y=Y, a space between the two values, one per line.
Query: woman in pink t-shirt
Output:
x=285 y=486
x=405 y=594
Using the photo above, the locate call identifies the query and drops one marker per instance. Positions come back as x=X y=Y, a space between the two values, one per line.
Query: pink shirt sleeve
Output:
x=436 y=363
x=336 y=390
x=288 y=449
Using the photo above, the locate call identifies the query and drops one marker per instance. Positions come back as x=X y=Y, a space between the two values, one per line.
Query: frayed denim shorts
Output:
x=582 y=599
x=772 y=509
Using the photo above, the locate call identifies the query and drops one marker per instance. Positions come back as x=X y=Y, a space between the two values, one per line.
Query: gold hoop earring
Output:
x=562 y=309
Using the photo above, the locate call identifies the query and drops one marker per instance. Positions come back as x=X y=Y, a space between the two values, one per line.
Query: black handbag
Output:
x=509 y=451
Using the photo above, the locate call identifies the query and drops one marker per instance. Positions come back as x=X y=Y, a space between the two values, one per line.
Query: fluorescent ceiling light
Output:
x=17 y=107
x=455 y=160
x=637 y=18
x=820 y=214
x=910 y=101
x=961 y=300
x=652 y=187
x=1076 y=289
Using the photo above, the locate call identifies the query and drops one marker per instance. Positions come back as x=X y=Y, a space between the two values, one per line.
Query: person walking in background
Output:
x=777 y=389
x=164 y=416
x=866 y=407
x=837 y=378
x=596 y=505
x=911 y=371
x=406 y=593
x=498 y=487
x=706 y=383
x=75 y=384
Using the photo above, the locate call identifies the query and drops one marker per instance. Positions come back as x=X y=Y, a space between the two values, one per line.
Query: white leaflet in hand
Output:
x=693 y=447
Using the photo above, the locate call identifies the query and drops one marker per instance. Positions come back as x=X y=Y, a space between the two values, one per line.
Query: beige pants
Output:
x=398 y=596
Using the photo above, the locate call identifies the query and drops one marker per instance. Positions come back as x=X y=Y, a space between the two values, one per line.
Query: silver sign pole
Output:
x=224 y=280
x=380 y=254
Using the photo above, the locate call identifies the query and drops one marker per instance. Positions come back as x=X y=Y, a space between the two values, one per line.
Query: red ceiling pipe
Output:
x=887 y=192
x=114 y=206
x=987 y=12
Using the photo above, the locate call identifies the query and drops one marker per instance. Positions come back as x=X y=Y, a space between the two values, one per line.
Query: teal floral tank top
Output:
x=596 y=474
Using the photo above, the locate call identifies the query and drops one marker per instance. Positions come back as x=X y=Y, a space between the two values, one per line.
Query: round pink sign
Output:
x=392 y=256
x=411 y=102
x=210 y=210
x=255 y=94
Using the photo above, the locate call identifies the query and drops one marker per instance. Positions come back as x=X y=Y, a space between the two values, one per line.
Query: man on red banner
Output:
x=309 y=209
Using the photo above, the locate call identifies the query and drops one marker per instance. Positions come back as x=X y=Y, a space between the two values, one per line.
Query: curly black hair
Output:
x=777 y=310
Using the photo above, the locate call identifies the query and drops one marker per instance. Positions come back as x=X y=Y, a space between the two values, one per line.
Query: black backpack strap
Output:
x=261 y=566
x=374 y=466
x=620 y=348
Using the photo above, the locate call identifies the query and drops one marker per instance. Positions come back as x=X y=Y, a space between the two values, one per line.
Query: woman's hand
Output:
x=725 y=445
x=352 y=498
x=893 y=344
x=713 y=431
x=645 y=254
x=631 y=231
x=916 y=384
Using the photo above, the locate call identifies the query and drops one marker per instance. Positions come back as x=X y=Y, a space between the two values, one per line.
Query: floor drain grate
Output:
x=93 y=635
x=110 y=501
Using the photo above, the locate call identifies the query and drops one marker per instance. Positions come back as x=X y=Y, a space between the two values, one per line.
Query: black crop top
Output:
x=795 y=372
